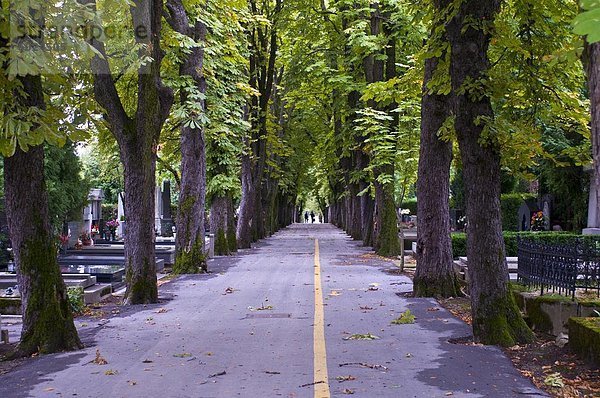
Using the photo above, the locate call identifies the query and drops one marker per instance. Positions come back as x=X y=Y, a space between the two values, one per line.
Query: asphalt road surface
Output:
x=306 y=313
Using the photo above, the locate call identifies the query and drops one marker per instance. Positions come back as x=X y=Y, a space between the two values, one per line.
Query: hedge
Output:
x=510 y=204
x=410 y=204
x=459 y=240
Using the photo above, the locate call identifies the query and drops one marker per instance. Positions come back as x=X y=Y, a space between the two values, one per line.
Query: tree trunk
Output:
x=496 y=318
x=247 y=204
x=139 y=161
x=137 y=138
x=47 y=319
x=435 y=275
x=592 y=64
x=189 y=245
x=388 y=242
x=219 y=209
x=231 y=238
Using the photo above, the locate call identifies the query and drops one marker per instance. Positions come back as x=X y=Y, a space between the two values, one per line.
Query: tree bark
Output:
x=219 y=210
x=137 y=138
x=189 y=246
x=592 y=64
x=247 y=211
x=496 y=318
x=47 y=319
x=435 y=275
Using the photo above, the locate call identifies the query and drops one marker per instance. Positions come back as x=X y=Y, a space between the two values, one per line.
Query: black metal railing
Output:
x=561 y=267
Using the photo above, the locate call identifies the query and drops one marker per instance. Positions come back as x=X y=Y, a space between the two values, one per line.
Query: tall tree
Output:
x=435 y=275
x=47 y=319
x=189 y=246
x=137 y=136
x=496 y=318
x=264 y=41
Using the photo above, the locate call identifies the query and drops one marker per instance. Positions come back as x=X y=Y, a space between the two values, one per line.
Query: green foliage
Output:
x=587 y=23
x=67 y=190
x=410 y=204
x=459 y=240
x=405 y=318
x=75 y=295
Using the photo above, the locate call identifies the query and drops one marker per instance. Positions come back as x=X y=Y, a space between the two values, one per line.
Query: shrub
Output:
x=75 y=295
x=459 y=241
x=510 y=204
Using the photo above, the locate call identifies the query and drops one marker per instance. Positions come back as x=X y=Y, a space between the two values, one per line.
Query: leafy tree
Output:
x=135 y=119
x=67 y=190
x=28 y=120
x=496 y=318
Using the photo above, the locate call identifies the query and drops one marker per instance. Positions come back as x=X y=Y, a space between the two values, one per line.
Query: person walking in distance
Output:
x=306 y=217
x=312 y=217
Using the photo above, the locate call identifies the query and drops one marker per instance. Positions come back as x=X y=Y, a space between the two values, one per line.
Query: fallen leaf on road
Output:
x=431 y=309
x=229 y=290
x=162 y=311
x=99 y=360
x=223 y=373
x=373 y=286
x=367 y=336
x=147 y=361
x=270 y=372
x=182 y=355
x=131 y=382
x=405 y=318
x=341 y=379
x=49 y=389
x=335 y=293
x=110 y=372
x=365 y=308
x=364 y=365
x=347 y=391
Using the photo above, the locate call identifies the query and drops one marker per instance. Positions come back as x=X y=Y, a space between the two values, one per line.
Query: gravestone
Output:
x=166 y=220
x=157 y=209
x=121 y=215
x=92 y=213
x=528 y=207
x=593 y=224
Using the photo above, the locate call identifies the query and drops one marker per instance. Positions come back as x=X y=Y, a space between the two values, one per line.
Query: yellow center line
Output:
x=321 y=378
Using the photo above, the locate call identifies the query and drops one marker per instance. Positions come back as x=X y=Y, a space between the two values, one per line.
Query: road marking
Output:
x=321 y=378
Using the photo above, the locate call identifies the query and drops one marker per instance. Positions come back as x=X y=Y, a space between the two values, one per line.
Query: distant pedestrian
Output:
x=312 y=217
x=306 y=217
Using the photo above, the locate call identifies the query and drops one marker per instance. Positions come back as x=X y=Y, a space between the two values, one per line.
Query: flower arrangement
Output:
x=95 y=230
x=64 y=240
x=85 y=239
x=112 y=224
x=538 y=223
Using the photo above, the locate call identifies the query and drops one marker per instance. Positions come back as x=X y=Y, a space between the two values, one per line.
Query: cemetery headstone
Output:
x=166 y=221
x=593 y=224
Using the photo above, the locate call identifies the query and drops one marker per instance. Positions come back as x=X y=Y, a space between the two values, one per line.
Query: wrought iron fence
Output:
x=562 y=267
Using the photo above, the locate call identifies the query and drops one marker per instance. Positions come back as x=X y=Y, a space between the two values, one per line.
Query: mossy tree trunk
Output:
x=435 y=275
x=387 y=242
x=137 y=137
x=189 y=246
x=219 y=221
x=47 y=319
x=496 y=318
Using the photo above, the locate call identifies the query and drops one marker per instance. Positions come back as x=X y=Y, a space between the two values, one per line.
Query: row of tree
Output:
x=264 y=103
